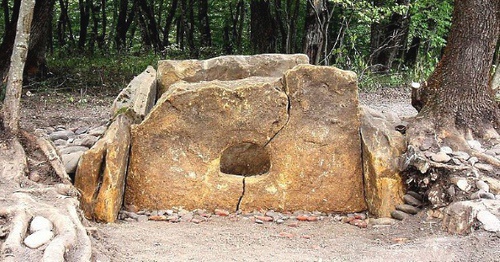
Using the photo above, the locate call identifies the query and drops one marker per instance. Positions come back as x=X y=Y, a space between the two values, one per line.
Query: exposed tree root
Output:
x=24 y=199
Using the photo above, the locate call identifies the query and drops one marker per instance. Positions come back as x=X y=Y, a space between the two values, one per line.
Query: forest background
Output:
x=82 y=45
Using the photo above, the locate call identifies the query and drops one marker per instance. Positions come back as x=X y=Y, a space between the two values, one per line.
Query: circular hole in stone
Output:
x=245 y=159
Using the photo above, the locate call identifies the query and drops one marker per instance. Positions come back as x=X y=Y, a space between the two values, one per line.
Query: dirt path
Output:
x=226 y=239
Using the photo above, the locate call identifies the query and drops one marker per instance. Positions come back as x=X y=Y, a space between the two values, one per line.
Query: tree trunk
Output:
x=168 y=22
x=388 y=38
x=84 y=6
x=314 y=39
x=262 y=27
x=457 y=101
x=206 y=34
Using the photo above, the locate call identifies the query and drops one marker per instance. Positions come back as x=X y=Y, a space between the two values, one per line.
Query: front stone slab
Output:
x=177 y=151
x=316 y=158
x=284 y=144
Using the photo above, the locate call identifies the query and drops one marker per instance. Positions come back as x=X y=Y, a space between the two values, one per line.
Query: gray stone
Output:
x=63 y=134
x=72 y=149
x=490 y=222
x=98 y=131
x=446 y=149
x=409 y=209
x=138 y=97
x=473 y=160
x=399 y=215
x=142 y=218
x=486 y=195
x=38 y=238
x=410 y=200
x=384 y=221
x=474 y=144
x=440 y=157
x=40 y=223
x=415 y=195
x=461 y=155
x=480 y=184
x=60 y=142
x=88 y=140
x=484 y=167
x=70 y=161
x=81 y=130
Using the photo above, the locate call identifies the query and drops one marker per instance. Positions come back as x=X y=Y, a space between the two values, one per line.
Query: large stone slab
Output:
x=382 y=145
x=252 y=143
x=101 y=172
x=316 y=158
x=177 y=150
x=225 y=68
x=138 y=97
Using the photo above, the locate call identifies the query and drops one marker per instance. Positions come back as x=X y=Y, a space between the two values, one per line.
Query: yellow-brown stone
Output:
x=102 y=171
x=225 y=68
x=382 y=145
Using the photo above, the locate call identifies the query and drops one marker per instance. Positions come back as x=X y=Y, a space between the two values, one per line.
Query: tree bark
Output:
x=204 y=24
x=168 y=22
x=457 y=101
x=262 y=27
x=84 y=6
x=314 y=39
x=18 y=59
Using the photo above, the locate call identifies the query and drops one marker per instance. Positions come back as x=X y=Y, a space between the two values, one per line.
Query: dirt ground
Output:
x=240 y=238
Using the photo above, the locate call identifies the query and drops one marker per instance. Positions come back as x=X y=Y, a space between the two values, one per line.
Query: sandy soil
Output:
x=241 y=239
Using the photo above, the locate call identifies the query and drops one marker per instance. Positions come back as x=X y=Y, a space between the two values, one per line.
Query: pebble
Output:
x=39 y=238
x=81 y=130
x=490 y=221
x=486 y=195
x=359 y=223
x=280 y=221
x=301 y=218
x=264 y=218
x=169 y=212
x=474 y=144
x=60 y=142
x=461 y=155
x=88 y=141
x=221 y=212
x=64 y=135
x=258 y=221
x=473 y=160
x=415 y=195
x=312 y=218
x=34 y=176
x=410 y=200
x=481 y=185
x=40 y=223
x=158 y=218
x=72 y=149
x=70 y=161
x=399 y=215
x=382 y=221
x=441 y=157
x=463 y=184
x=196 y=220
x=98 y=131
x=409 y=209
x=484 y=167
x=446 y=149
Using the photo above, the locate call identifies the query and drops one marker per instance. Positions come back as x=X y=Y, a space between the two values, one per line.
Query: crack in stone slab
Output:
x=242 y=195
x=288 y=108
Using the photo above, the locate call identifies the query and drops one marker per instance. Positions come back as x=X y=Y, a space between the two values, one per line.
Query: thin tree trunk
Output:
x=11 y=105
x=84 y=6
x=168 y=22
x=206 y=34
x=316 y=19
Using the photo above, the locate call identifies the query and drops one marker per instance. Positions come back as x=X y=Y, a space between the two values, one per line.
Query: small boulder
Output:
x=40 y=223
x=38 y=239
x=70 y=161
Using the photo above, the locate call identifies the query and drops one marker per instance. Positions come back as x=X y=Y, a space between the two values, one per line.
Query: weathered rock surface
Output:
x=316 y=158
x=138 y=97
x=177 y=150
x=205 y=145
x=460 y=216
x=225 y=68
x=382 y=145
x=101 y=172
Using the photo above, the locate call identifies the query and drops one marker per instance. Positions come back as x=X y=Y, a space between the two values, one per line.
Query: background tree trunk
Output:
x=204 y=24
x=314 y=39
x=262 y=27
